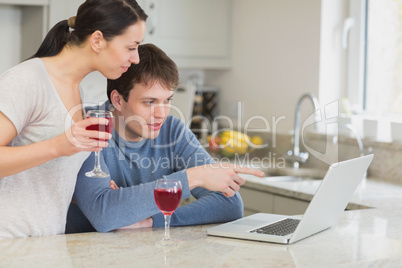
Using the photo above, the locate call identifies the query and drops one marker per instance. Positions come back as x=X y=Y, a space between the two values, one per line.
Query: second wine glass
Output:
x=167 y=193
x=97 y=172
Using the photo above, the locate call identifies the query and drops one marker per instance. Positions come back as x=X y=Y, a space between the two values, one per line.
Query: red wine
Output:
x=167 y=200
x=102 y=128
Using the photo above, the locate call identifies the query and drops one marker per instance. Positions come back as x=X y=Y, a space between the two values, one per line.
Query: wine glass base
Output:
x=97 y=174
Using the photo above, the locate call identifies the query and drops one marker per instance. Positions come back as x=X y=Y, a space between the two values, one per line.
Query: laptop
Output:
x=323 y=212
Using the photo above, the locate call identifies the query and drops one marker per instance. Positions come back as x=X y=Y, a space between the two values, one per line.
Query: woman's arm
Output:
x=19 y=158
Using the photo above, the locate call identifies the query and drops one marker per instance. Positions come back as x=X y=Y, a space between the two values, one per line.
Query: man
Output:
x=147 y=145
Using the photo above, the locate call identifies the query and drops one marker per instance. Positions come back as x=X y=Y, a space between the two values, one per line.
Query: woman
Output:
x=43 y=139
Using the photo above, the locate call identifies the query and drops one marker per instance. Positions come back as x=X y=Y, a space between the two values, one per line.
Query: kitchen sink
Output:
x=291 y=174
x=269 y=178
x=306 y=173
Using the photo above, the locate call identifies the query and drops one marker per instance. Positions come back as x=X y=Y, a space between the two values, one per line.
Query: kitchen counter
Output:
x=362 y=238
x=371 y=193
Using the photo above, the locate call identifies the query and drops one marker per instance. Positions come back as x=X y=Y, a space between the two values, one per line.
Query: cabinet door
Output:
x=256 y=201
x=195 y=33
x=25 y=2
x=62 y=10
x=289 y=206
x=23 y=24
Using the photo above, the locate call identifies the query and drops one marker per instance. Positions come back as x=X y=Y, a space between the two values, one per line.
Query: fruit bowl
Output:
x=230 y=143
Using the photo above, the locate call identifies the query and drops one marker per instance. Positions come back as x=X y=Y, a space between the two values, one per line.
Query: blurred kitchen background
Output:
x=250 y=61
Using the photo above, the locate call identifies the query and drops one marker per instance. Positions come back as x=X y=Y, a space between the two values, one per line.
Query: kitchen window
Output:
x=374 y=65
x=372 y=39
x=383 y=90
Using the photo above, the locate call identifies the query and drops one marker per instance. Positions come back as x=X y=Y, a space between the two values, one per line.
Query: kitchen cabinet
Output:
x=25 y=2
x=26 y=23
x=62 y=9
x=23 y=24
x=256 y=201
x=94 y=84
x=259 y=201
x=194 y=33
x=289 y=206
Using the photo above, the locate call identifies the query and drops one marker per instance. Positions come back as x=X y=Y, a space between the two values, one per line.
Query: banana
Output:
x=234 y=142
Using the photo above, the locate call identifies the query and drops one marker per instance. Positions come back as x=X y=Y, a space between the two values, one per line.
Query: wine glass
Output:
x=97 y=172
x=167 y=193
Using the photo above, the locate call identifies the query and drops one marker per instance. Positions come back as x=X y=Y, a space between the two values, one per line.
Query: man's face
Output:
x=145 y=111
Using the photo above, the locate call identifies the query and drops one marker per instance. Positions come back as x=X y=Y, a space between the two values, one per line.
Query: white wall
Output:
x=10 y=45
x=280 y=51
x=276 y=50
x=332 y=56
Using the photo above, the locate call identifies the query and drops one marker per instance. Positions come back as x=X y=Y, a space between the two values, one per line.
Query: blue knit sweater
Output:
x=135 y=166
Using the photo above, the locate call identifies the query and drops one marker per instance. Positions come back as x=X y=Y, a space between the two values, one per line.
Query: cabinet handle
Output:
x=347 y=26
x=153 y=18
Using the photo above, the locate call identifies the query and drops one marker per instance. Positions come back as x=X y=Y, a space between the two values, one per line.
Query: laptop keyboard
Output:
x=281 y=228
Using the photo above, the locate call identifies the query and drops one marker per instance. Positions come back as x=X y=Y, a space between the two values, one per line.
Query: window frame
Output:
x=356 y=45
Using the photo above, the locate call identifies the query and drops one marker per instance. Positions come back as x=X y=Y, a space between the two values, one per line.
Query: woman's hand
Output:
x=219 y=177
x=14 y=159
x=78 y=138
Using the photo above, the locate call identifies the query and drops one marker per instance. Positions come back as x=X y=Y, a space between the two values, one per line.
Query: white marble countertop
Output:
x=362 y=238
x=371 y=193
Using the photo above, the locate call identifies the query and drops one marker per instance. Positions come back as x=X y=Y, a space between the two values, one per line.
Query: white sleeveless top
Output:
x=35 y=202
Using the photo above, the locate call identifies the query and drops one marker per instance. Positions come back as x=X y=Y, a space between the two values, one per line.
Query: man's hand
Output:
x=147 y=223
x=219 y=177
x=113 y=185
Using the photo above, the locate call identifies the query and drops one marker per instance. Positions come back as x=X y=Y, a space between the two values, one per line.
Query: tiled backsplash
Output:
x=386 y=165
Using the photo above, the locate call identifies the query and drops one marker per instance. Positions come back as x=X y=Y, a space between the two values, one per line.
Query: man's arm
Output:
x=109 y=209
x=210 y=207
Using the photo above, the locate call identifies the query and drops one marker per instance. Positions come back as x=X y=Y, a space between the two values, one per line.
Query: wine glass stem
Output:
x=97 y=162
x=167 y=227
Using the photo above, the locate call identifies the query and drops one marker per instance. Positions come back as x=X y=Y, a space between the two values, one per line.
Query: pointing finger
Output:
x=246 y=170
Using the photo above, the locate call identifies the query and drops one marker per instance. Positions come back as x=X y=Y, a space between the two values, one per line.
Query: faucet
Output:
x=355 y=134
x=296 y=156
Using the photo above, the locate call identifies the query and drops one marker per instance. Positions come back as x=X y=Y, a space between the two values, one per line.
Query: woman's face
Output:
x=118 y=54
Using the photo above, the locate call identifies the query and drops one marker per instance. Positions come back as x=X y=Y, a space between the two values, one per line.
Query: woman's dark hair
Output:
x=154 y=66
x=111 y=17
